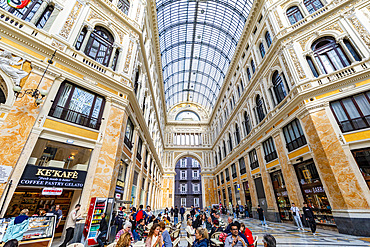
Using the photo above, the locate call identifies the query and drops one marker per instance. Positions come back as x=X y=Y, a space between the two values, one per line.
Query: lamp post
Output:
x=34 y=92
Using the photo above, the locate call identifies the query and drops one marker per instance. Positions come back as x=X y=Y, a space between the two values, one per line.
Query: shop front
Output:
x=314 y=193
x=54 y=175
x=281 y=195
x=248 y=199
x=362 y=157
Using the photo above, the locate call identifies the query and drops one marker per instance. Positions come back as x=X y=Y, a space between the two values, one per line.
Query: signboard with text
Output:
x=52 y=177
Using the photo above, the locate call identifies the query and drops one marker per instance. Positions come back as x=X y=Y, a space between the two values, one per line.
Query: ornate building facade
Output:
x=289 y=123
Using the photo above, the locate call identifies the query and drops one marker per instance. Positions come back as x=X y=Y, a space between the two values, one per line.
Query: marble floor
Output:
x=288 y=235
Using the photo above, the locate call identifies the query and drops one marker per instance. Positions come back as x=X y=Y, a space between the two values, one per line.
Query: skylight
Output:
x=198 y=40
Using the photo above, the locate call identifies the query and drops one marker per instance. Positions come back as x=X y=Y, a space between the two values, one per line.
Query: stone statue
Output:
x=6 y=62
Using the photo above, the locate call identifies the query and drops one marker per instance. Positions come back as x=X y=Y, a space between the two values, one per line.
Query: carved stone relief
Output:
x=297 y=64
x=360 y=29
x=67 y=27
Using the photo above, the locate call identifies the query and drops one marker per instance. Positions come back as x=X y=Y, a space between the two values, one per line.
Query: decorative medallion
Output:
x=18 y=4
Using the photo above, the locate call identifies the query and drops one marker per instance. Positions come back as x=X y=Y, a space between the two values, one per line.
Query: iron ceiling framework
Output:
x=198 y=39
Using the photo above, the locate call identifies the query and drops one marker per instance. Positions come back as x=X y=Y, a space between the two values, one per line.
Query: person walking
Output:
x=237 y=210
x=167 y=242
x=308 y=214
x=234 y=240
x=154 y=238
x=175 y=215
x=297 y=216
x=17 y=227
x=192 y=211
x=119 y=220
x=261 y=216
x=182 y=212
x=102 y=231
x=171 y=211
x=71 y=224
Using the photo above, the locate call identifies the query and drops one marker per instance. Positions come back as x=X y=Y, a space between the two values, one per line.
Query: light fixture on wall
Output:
x=39 y=95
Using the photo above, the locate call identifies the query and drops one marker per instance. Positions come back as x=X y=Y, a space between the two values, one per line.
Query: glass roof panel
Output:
x=198 y=39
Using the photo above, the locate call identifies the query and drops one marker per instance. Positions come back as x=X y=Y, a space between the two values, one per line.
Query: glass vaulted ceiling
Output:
x=198 y=39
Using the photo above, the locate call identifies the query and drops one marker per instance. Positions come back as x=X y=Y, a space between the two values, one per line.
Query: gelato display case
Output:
x=40 y=231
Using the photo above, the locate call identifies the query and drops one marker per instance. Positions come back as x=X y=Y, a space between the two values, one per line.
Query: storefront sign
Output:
x=52 y=191
x=18 y=4
x=5 y=173
x=118 y=196
x=53 y=177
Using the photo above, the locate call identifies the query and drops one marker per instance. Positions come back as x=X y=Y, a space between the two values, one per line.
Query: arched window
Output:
x=25 y=13
x=230 y=143
x=249 y=74
x=45 y=17
x=268 y=39
x=237 y=134
x=260 y=108
x=124 y=6
x=294 y=14
x=253 y=67
x=2 y=97
x=313 y=5
x=187 y=116
x=262 y=50
x=247 y=124
x=329 y=55
x=100 y=44
x=279 y=89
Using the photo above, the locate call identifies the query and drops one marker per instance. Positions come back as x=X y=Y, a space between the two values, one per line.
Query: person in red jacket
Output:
x=247 y=233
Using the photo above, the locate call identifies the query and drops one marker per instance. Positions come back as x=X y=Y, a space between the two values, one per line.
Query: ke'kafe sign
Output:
x=52 y=191
x=52 y=177
x=18 y=4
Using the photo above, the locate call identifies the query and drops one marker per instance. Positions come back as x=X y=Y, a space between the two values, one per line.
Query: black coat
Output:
x=260 y=213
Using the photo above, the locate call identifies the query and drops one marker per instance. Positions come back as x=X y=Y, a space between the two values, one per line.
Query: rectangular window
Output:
x=196 y=188
x=233 y=170
x=242 y=167
x=253 y=159
x=294 y=136
x=196 y=202
x=139 y=149
x=77 y=105
x=129 y=133
x=222 y=178
x=183 y=202
x=183 y=174
x=269 y=149
x=195 y=174
x=227 y=174
x=218 y=180
x=183 y=163
x=195 y=163
x=183 y=188
x=352 y=113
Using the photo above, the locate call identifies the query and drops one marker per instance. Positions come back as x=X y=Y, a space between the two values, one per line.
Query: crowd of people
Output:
x=142 y=225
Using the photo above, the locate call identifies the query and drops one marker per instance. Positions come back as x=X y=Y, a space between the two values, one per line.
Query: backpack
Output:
x=139 y=215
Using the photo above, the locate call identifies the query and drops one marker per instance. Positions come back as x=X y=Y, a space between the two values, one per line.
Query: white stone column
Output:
x=53 y=16
x=113 y=54
x=39 y=12
x=86 y=39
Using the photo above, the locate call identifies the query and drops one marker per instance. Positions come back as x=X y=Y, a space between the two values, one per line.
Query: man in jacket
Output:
x=234 y=240
x=182 y=212
x=71 y=224
x=308 y=214
x=102 y=231
x=176 y=215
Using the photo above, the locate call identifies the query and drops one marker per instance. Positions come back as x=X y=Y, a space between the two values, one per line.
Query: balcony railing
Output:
x=75 y=117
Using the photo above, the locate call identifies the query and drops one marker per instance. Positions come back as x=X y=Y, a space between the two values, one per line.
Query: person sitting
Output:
x=140 y=229
x=165 y=235
x=216 y=227
x=154 y=238
x=268 y=241
x=126 y=228
x=11 y=243
x=234 y=240
x=230 y=221
x=189 y=229
x=166 y=221
x=247 y=233
x=209 y=224
x=201 y=237
x=124 y=240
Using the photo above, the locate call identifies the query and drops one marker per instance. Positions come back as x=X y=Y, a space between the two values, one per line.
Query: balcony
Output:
x=183 y=178
x=195 y=178
x=197 y=192
x=183 y=192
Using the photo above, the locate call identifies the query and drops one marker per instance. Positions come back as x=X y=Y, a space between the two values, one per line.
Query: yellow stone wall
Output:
x=167 y=190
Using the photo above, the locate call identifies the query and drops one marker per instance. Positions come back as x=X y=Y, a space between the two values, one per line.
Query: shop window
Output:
x=139 y=147
x=124 y=6
x=260 y=108
x=329 y=55
x=233 y=170
x=81 y=38
x=247 y=125
x=25 y=13
x=60 y=155
x=279 y=89
x=294 y=14
x=313 y=5
x=253 y=66
x=253 y=159
x=268 y=39
x=237 y=134
x=281 y=195
x=362 y=157
x=269 y=149
x=78 y=106
x=294 y=136
x=242 y=167
x=129 y=133
x=312 y=67
x=248 y=74
x=45 y=17
x=352 y=113
x=262 y=50
x=313 y=192
x=227 y=174
x=99 y=46
x=122 y=171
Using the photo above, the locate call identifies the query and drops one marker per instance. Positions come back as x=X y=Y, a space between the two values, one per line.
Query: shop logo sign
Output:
x=18 y=4
x=52 y=191
x=52 y=177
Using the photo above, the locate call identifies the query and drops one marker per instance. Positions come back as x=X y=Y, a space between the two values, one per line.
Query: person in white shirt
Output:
x=189 y=229
x=297 y=216
x=71 y=224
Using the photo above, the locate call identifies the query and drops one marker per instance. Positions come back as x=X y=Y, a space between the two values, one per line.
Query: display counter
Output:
x=39 y=233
